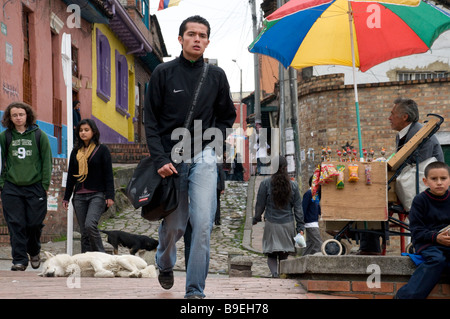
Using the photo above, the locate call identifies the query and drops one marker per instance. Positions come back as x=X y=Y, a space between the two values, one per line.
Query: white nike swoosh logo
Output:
x=177 y=91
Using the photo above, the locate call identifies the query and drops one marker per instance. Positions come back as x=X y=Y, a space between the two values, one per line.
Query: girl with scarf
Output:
x=90 y=180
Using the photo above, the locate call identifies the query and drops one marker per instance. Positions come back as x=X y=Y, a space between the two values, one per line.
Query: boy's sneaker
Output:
x=165 y=279
x=35 y=261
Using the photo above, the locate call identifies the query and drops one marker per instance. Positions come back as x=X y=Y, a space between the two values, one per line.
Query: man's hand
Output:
x=167 y=170
x=443 y=238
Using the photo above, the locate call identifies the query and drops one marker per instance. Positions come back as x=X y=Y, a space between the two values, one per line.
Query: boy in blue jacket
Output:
x=311 y=211
x=430 y=213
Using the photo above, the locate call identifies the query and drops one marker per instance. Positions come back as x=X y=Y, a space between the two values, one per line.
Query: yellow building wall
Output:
x=106 y=111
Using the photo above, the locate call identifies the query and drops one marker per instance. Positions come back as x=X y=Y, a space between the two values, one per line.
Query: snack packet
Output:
x=353 y=173
x=315 y=184
x=368 y=173
x=340 y=177
x=324 y=177
x=327 y=172
x=332 y=171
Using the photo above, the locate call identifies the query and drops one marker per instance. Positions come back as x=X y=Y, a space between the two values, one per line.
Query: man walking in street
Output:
x=167 y=101
x=24 y=182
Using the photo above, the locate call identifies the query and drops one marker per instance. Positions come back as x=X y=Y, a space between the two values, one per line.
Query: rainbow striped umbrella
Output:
x=360 y=34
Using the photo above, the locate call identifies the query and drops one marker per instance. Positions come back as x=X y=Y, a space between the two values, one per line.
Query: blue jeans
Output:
x=197 y=206
x=427 y=274
x=88 y=209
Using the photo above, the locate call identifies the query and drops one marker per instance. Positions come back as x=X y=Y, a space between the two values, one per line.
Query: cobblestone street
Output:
x=226 y=239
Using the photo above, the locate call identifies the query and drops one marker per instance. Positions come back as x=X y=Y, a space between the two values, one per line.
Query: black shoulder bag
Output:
x=158 y=196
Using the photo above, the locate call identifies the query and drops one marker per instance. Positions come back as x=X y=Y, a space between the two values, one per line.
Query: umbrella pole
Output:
x=355 y=86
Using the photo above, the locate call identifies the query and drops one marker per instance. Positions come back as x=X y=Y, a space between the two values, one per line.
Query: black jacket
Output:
x=429 y=214
x=168 y=99
x=100 y=175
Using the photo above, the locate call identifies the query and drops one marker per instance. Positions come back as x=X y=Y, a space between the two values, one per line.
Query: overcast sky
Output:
x=231 y=34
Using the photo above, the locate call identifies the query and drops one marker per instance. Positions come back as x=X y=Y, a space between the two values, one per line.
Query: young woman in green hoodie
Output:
x=25 y=179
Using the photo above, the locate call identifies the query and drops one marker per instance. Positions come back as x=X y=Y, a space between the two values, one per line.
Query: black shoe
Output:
x=18 y=267
x=35 y=261
x=194 y=297
x=217 y=222
x=165 y=279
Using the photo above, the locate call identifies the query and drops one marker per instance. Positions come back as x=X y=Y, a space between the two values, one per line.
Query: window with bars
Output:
x=121 y=84
x=57 y=122
x=409 y=76
x=26 y=72
x=75 y=69
x=103 y=67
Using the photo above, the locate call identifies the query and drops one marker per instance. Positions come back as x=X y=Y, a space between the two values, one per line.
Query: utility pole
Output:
x=282 y=112
x=256 y=59
x=294 y=123
x=66 y=57
x=241 y=117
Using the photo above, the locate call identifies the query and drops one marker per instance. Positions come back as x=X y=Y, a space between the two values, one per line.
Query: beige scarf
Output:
x=82 y=158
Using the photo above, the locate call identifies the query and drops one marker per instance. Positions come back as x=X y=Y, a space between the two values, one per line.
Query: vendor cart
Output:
x=370 y=206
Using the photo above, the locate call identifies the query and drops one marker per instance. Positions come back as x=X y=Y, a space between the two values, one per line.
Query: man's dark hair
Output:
x=436 y=165
x=196 y=19
x=8 y=123
x=408 y=107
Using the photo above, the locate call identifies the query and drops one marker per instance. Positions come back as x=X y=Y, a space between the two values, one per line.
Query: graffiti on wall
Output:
x=10 y=90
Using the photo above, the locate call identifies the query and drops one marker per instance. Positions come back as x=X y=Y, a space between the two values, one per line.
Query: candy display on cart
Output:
x=326 y=172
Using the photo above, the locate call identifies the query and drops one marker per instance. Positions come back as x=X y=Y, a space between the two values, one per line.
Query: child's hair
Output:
x=281 y=184
x=436 y=165
x=310 y=180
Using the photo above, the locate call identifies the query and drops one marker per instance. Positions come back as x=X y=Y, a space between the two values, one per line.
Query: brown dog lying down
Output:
x=96 y=264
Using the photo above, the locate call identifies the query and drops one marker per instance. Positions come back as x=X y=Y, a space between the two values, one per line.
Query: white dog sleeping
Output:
x=96 y=264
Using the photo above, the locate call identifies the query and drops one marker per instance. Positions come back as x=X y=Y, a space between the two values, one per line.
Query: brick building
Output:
x=129 y=40
x=327 y=116
x=326 y=105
